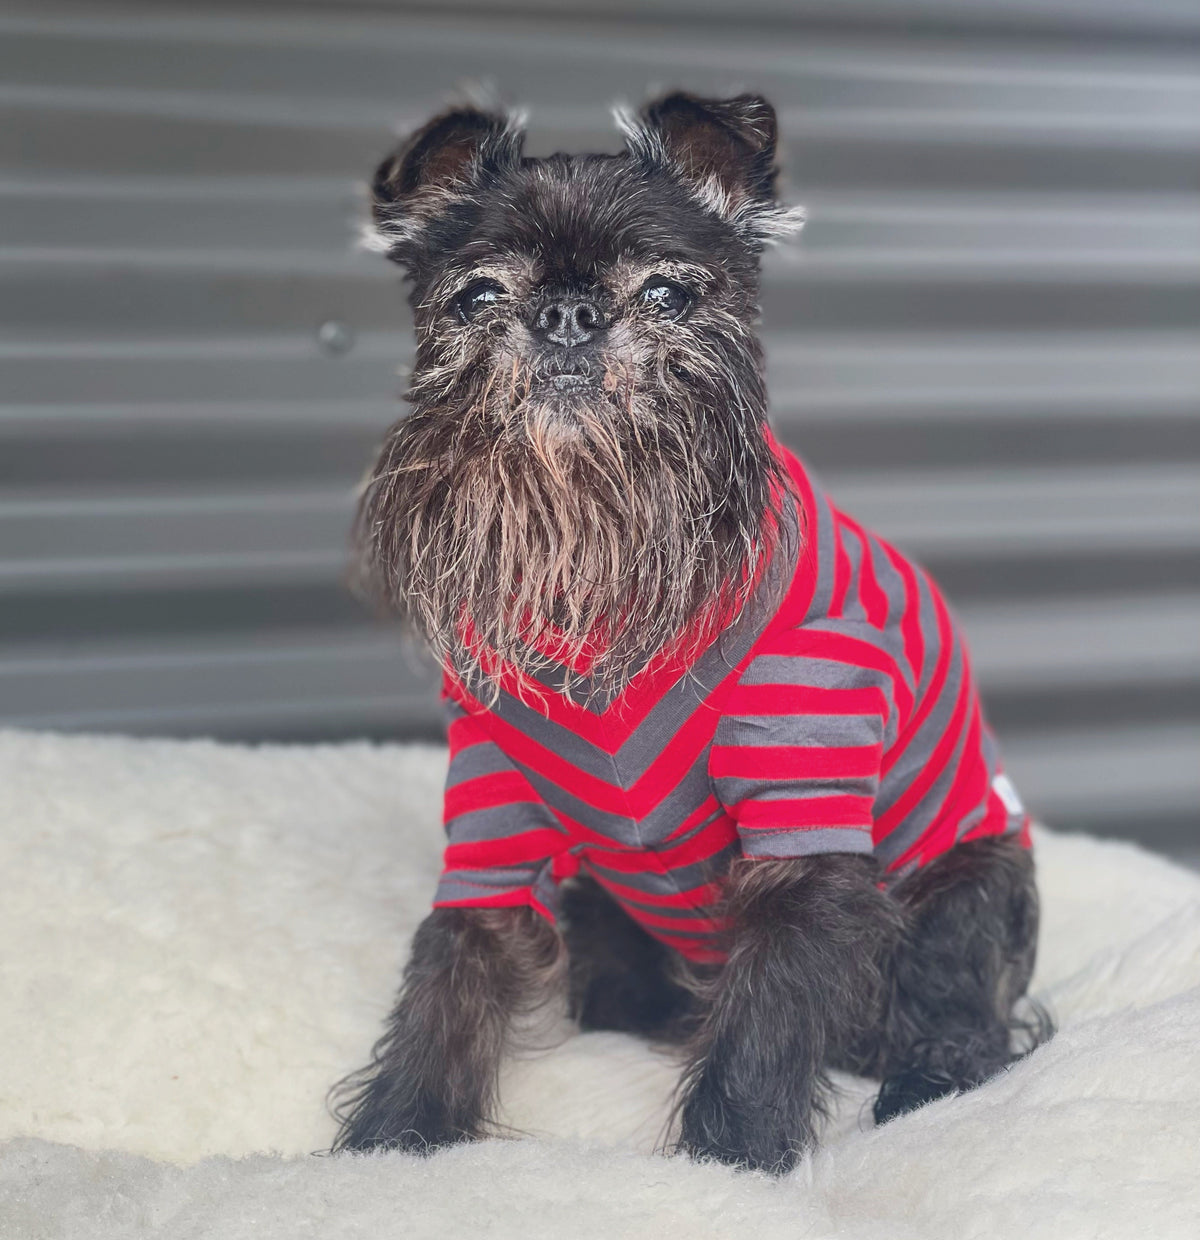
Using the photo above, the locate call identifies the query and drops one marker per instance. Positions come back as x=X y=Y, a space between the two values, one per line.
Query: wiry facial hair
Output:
x=516 y=525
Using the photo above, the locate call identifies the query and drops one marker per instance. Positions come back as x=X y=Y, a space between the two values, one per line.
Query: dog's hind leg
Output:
x=963 y=962
x=619 y=976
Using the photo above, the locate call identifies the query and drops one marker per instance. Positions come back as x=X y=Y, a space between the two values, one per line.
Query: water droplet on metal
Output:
x=335 y=337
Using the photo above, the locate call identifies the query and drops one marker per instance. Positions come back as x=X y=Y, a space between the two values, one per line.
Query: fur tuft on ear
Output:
x=429 y=167
x=723 y=150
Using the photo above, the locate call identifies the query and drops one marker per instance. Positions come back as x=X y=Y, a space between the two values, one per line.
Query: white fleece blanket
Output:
x=198 y=939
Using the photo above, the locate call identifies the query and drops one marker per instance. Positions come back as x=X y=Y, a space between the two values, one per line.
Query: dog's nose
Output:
x=569 y=321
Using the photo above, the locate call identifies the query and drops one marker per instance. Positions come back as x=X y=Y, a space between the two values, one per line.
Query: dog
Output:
x=718 y=767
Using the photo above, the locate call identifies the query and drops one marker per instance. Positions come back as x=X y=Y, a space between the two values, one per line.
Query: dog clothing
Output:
x=838 y=713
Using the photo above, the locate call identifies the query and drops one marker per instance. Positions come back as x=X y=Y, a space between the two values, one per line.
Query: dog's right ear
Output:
x=437 y=162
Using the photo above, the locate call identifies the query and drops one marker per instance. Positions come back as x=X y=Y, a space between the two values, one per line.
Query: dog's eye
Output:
x=476 y=297
x=668 y=299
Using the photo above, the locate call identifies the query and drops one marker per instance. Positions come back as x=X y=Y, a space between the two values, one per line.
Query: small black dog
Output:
x=718 y=765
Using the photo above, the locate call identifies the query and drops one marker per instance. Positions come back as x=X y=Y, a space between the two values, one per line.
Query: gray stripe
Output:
x=822 y=519
x=807 y=731
x=499 y=822
x=852 y=608
x=814 y=672
x=805 y=843
x=485 y=758
x=927 y=612
x=734 y=789
x=470 y=884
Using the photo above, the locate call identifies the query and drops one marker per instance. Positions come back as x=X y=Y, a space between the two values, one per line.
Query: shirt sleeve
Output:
x=797 y=755
x=501 y=836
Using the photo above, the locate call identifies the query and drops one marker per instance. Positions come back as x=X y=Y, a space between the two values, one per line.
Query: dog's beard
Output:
x=572 y=536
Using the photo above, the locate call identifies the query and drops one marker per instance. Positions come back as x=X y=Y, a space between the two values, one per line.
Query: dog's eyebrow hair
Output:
x=632 y=272
x=682 y=269
x=454 y=279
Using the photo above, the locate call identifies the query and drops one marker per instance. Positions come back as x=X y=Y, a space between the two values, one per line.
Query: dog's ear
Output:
x=723 y=149
x=440 y=159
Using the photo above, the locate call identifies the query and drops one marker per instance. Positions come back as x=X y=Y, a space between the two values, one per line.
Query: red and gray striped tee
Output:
x=843 y=718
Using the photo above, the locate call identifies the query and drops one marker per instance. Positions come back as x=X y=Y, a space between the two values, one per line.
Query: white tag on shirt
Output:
x=1002 y=786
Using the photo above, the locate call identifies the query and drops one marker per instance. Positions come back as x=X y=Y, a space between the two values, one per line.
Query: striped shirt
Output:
x=837 y=714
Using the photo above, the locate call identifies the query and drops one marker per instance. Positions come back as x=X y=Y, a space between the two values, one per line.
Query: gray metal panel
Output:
x=987 y=343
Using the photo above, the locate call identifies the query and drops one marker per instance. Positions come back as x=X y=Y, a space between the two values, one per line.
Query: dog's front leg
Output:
x=433 y=1075
x=803 y=977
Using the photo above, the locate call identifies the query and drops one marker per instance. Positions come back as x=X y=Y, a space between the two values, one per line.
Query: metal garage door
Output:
x=988 y=343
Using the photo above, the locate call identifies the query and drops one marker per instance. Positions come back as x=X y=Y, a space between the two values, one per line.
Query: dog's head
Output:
x=585 y=476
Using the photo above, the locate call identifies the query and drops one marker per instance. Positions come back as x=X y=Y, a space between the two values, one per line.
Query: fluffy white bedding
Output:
x=198 y=939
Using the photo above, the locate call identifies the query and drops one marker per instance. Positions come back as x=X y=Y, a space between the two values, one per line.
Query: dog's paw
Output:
x=906 y=1091
x=715 y=1129
x=375 y=1125
x=406 y=1140
x=777 y=1161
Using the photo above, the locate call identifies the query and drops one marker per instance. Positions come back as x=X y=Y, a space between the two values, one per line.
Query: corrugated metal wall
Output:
x=988 y=344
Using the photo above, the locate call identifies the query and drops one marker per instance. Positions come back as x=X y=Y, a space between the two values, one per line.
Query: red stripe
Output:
x=841 y=574
x=779 y=699
x=994 y=821
x=939 y=836
x=464 y=732
x=874 y=601
x=697 y=897
x=910 y=614
x=700 y=847
x=771 y=762
x=525 y=846
x=971 y=783
x=488 y=792
x=805 y=813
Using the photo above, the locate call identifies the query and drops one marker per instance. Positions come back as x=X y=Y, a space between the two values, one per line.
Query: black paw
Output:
x=749 y=1137
x=774 y=1162
x=408 y=1140
x=906 y=1091
x=376 y=1124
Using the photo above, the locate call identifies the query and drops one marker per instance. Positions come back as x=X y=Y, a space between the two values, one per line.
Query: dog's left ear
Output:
x=723 y=150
